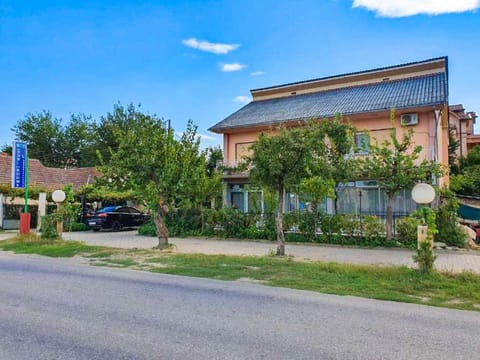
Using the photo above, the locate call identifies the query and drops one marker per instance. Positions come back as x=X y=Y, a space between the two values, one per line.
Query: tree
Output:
x=7 y=149
x=472 y=158
x=278 y=162
x=162 y=171
x=308 y=157
x=115 y=123
x=394 y=164
x=467 y=181
x=453 y=145
x=41 y=132
x=331 y=144
x=76 y=144
x=214 y=157
x=56 y=145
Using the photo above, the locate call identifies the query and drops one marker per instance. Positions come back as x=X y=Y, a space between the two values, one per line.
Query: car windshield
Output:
x=107 y=209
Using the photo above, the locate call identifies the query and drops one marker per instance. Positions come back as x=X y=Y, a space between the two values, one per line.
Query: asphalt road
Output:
x=52 y=309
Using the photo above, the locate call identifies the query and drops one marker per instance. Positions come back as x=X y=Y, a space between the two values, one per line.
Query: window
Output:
x=362 y=143
x=242 y=150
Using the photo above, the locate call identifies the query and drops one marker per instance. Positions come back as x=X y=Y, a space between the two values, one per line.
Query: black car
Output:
x=117 y=218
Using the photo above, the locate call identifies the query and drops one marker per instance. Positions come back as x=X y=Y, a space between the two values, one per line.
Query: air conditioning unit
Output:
x=409 y=119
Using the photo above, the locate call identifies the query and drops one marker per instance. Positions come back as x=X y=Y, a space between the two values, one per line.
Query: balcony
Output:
x=230 y=170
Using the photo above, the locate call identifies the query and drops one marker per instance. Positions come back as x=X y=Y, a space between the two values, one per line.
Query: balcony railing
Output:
x=229 y=167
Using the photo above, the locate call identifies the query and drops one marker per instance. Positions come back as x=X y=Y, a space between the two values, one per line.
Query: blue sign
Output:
x=19 y=165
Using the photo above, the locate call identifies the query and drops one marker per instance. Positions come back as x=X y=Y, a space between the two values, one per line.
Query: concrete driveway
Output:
x=454 y=261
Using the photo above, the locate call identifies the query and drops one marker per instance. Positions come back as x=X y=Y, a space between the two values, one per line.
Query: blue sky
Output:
x=171 y=56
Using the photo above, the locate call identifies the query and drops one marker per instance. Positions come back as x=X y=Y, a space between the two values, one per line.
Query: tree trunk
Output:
x=279 y=225
x=162 y=231
x=389 y=219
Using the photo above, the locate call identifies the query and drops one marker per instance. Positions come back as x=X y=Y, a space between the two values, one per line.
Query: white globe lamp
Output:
x=423 y=193
x=58 y=196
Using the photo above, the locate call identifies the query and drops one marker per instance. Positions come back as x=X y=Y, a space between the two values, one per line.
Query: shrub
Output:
x=309 y=223
x=372 y=229
x=351 y=226
x=49 y=226
x=407 y=231
x=331 y=227
x=252 y=232
x=76 y=226
x=449 y=231
x=297 y=237
x=425 y=257
x=148 y=229
x=291 y=220
x=182 y=222
x=232 y=222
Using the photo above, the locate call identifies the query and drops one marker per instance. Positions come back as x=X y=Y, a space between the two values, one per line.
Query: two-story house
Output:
x=417 y=91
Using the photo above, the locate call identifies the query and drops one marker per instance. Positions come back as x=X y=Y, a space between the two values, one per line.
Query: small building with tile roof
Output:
x=44 y=179
x=48 y=178
x=418 y=92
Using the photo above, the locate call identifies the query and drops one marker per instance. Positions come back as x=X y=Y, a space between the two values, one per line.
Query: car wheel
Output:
x=116 y=226
x=96 y=230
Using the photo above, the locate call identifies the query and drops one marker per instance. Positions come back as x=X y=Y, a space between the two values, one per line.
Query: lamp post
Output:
x=59 y=196
x=423 y=194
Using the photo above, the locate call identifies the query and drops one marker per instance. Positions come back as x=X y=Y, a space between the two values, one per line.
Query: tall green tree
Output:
x=163 y=171
x=113 y=125
x=278 y=162
x=309 y=157
x=40 y=132
x=395 y=164
x=56 y=144
x=331 y=144
x=75 y=146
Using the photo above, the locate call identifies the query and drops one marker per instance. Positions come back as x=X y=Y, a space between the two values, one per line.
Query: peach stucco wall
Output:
x=237 y=138
x=424 y=134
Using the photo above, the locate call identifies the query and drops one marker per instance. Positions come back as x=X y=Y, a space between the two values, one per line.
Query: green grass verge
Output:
x=461 y=291
x=32 y=244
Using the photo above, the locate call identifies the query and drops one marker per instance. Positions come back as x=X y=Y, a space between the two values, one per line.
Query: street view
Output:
x=224 y=180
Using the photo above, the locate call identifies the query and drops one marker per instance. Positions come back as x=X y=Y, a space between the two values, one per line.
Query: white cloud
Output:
x=402 y=8
x=204 y=137
x=257 y=73
x=242 y=99
x=207 y=141
x=210 y=47
x=232 y=67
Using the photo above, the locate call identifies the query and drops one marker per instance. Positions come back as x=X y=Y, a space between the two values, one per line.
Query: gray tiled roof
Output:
x=398 y=94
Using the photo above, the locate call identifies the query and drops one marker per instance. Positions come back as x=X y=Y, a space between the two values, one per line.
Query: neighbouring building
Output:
x=462 y=125
x=417 y=91
x=40 y=177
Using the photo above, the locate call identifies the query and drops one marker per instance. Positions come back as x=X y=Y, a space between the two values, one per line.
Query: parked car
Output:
x=85 y=215
x=117 y=218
